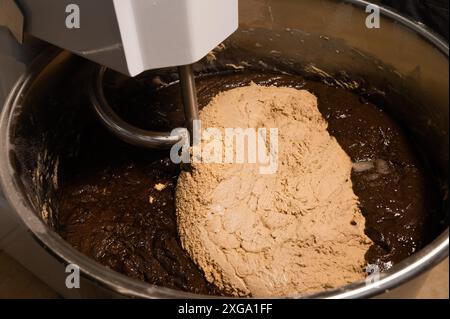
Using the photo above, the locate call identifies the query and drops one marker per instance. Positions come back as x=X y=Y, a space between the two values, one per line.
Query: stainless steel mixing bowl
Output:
x=402 y=65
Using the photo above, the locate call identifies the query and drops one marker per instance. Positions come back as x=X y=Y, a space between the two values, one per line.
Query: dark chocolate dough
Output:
x=110 y=210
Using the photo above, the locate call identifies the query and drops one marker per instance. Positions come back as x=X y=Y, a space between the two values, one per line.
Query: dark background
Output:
x=433 y=13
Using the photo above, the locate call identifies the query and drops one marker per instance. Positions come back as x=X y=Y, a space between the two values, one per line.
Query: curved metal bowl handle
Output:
x=123 y=130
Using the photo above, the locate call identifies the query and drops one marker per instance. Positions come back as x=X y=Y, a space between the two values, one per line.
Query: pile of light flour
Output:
x=296 y=231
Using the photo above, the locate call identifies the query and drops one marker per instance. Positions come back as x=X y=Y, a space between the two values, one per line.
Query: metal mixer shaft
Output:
x=134 y=135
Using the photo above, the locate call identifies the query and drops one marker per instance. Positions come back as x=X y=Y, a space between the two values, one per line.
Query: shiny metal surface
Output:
x=126 y=132
x=414 y=75
x=189 y=94
x=134 y=135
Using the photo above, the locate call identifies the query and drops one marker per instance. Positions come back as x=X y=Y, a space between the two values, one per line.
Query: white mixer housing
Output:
x=163 y=33
x=129 y=36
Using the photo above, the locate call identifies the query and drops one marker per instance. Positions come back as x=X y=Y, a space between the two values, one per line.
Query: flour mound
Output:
x=297 y=231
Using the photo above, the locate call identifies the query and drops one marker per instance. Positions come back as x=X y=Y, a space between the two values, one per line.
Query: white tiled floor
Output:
x=17 y=282
x=437 y=283
x=7 y=222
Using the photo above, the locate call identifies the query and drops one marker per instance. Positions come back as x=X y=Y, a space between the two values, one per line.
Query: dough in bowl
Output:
x=296 y=231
